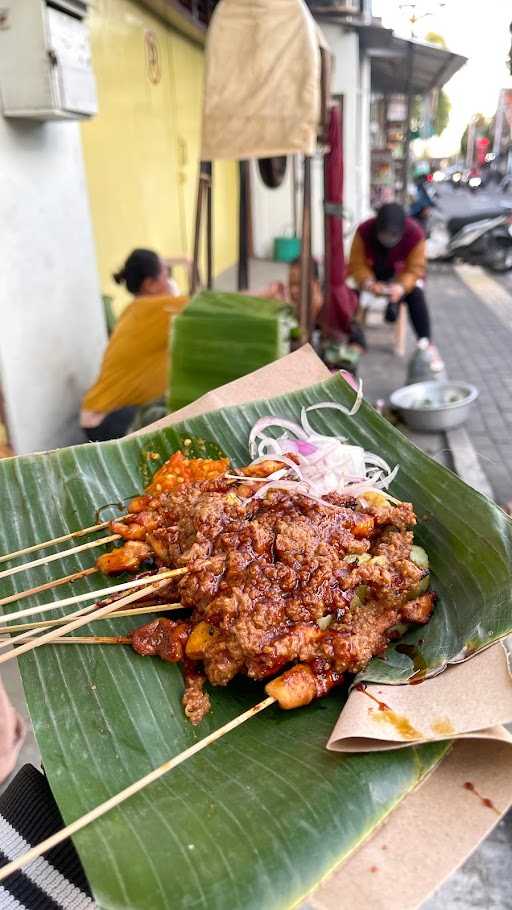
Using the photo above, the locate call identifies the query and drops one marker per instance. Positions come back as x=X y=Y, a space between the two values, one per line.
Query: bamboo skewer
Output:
x=92 y=595
x=49 y=543
x=82 y=620
x=44 y=559
x=49 y=623
x=92 y=640
x=30 y=634
x=129 y=791
x=83 y=573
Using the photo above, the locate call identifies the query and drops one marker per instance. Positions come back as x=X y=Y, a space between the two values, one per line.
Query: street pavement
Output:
x=471 y=312
x=472 y=326
x=472 y=323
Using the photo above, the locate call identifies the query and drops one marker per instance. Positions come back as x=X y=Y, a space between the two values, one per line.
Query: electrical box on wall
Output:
x=45 y=60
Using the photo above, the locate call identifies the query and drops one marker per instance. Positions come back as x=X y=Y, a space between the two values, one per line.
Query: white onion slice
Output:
x=287 y=461
x=335 y=406
x=264 y=422
x=320 y=464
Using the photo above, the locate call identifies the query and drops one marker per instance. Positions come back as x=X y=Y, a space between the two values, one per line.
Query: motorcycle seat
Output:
x=458 y=222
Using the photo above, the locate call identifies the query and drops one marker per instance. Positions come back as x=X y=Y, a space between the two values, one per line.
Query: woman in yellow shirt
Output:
x=134 y=367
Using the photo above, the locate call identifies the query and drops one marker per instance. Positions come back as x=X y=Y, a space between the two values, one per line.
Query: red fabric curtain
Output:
x=341 y=302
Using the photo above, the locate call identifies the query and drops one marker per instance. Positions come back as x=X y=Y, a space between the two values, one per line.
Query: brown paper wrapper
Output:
x=434 y=829
x=296 y=371
x=448 y=706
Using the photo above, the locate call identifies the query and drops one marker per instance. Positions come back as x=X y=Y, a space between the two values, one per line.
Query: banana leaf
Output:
x=260 y=817
x=219 y=337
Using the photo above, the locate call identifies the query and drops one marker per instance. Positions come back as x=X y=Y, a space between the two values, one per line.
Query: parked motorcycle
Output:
x=474 y=182
x=483 y=238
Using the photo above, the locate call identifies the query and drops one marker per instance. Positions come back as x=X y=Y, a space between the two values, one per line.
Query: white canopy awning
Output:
x=262 y=81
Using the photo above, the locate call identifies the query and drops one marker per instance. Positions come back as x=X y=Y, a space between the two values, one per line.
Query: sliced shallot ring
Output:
x=265 y=422
x=243 y=478
x=268 y=441
x=335 y=406
x=286 y=461
x=371 y=459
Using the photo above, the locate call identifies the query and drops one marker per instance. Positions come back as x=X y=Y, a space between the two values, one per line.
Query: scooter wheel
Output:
x=500 y=256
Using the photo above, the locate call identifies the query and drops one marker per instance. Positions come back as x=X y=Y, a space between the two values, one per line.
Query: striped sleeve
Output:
x=28 y=815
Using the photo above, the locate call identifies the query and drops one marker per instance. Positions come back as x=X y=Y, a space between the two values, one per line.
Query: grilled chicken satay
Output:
x=326 y=657
x=278 y=583
x=144 y=512
x=168 y=639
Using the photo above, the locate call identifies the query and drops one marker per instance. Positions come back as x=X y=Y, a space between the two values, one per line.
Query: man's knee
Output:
x=417 y=295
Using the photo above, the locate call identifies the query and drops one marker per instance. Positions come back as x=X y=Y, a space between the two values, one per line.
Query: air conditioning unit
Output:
x=76 y=8
x=45 y=60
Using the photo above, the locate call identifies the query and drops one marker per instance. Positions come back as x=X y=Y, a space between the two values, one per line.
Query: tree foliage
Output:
x=442 y=102
x=482 y=128
x=442 y=114
x=440 y=119
x=434 y=38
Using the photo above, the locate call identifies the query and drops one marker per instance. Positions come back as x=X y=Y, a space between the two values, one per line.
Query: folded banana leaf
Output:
x=219 y=337
x=260 y=817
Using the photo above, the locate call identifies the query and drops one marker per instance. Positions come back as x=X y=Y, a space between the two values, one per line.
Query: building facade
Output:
x=142 y=150
x=77 y=197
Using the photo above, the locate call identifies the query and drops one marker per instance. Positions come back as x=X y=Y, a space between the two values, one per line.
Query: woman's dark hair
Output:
x=141 y=264
x=315 y=268
x=391 y=217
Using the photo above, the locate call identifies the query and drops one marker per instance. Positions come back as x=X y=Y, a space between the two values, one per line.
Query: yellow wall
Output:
x=142 y=150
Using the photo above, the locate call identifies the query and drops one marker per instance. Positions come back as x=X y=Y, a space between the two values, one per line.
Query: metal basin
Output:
x=434 y=406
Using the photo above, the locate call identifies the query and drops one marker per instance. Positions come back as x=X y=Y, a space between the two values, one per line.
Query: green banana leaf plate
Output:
x=260 y=817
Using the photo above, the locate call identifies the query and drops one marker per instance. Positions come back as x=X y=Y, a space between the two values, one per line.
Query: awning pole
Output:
x=305 y=257
x=243 y=227
x=209 y=226
x=294 y=197
x=407 y=142
x=327 y=245
x=203 y=177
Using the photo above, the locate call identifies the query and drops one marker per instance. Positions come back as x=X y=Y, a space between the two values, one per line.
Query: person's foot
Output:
x=341 y=355
x=391 y=314
x=357 y=338
x=436 y=361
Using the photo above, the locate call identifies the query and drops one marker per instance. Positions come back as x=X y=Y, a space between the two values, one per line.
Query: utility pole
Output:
x=498 y=126
x=470 y=150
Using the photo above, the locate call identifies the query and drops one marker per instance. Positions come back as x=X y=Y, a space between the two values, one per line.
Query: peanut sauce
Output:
x=488 y=803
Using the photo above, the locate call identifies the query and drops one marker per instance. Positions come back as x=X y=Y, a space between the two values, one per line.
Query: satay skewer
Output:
x=158 y=582
x=28 y=633
x=129 y=791
x=61 y=555
x=91 y=639
x=82 y=532
x=13 y=598
x=92 y=595
x=49 y=623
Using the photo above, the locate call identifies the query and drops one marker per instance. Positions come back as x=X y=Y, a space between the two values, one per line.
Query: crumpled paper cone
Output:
x=293 y=372
x=449 y=706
